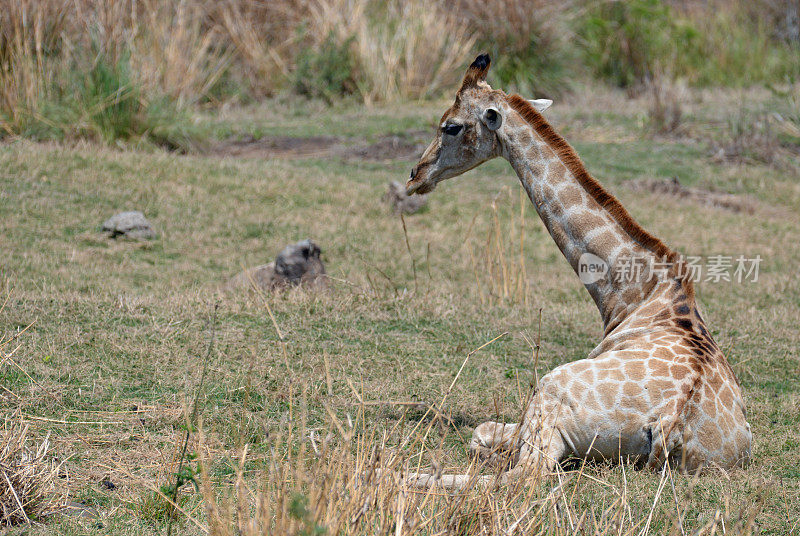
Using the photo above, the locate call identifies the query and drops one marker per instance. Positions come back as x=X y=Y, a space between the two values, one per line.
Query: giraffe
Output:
x=657 y=389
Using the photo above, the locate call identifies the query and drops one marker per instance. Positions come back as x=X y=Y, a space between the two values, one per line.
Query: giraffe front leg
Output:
x=494 y=442
x=537 y=457
x=539 y=452
x=541 y=436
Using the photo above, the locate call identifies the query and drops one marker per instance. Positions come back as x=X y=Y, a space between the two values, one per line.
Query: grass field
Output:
x=119 y=331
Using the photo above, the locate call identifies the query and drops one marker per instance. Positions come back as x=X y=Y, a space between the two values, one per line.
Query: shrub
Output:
x=737 y=45
x=529 y=43
x=326 y=73
x=717 y=43
x=628 y=42
x=107 y=99
x=89 y=69
x=104 y=102
x=400 y=49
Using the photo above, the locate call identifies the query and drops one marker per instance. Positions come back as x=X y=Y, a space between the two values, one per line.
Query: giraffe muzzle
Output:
x=415 y=184
x=419 y=181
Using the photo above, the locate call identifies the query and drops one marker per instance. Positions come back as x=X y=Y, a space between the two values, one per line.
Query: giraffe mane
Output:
x=575 y=165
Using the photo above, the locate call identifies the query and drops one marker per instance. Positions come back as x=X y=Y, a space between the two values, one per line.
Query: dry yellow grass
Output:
x=182 y=49
x=28 y=487
x=348 y=479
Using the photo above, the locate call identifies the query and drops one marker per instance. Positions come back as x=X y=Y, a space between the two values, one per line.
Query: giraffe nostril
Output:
x=413 y=172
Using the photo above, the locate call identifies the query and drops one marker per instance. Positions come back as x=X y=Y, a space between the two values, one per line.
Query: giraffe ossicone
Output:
x=657 y=389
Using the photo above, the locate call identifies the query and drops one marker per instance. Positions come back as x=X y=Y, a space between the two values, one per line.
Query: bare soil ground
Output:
x=674 y=188
x=407 y=146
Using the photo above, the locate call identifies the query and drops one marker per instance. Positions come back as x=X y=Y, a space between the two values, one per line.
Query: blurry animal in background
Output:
x=297 y=264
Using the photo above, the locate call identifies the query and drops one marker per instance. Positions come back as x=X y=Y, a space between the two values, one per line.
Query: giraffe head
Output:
x=468 y=132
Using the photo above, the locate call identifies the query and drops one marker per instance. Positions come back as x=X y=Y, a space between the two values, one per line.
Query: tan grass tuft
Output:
x=498 y=262
x=28 y=476
x=413 y=49
x=511 y=24
x=666 y=104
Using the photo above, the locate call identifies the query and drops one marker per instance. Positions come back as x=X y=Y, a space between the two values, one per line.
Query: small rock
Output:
x=400 y=202
x=131 y=225
x=108 y=484
x=296 y=264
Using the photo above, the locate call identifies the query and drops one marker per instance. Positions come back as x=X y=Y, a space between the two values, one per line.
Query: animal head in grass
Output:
x=296 y=264
x=299 y=263
x=468 y=133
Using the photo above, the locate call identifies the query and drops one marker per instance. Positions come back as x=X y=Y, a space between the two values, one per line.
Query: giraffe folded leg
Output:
x=491 y=442
x=666 y=443
x=454 y=482
x=539 y=452
x=494 y=442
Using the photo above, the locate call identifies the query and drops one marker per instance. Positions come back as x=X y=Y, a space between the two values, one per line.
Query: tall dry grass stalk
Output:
x=512 y=24
x=498 y=262
x=532 y=42
x=265 y=37
x=409 y=49
x=174 y=49
x=172 y=46
x=30 y=33
x=29 y=484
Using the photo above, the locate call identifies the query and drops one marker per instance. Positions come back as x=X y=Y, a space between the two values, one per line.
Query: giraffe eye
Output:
x=452 y=130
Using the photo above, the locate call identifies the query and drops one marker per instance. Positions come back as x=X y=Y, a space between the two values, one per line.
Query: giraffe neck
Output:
x=589 y=225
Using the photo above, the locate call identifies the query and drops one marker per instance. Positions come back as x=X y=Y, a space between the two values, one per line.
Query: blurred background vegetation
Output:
x=134 y=69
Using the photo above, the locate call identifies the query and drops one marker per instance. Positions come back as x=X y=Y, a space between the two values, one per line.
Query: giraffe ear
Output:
x=476 y=72
x=541 y=104
x=492 y=118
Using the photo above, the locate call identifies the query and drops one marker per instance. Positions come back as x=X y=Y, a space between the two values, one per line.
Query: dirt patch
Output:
x=674 y=188
x=277 y=147
x=408 y=146
x=388 y=148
